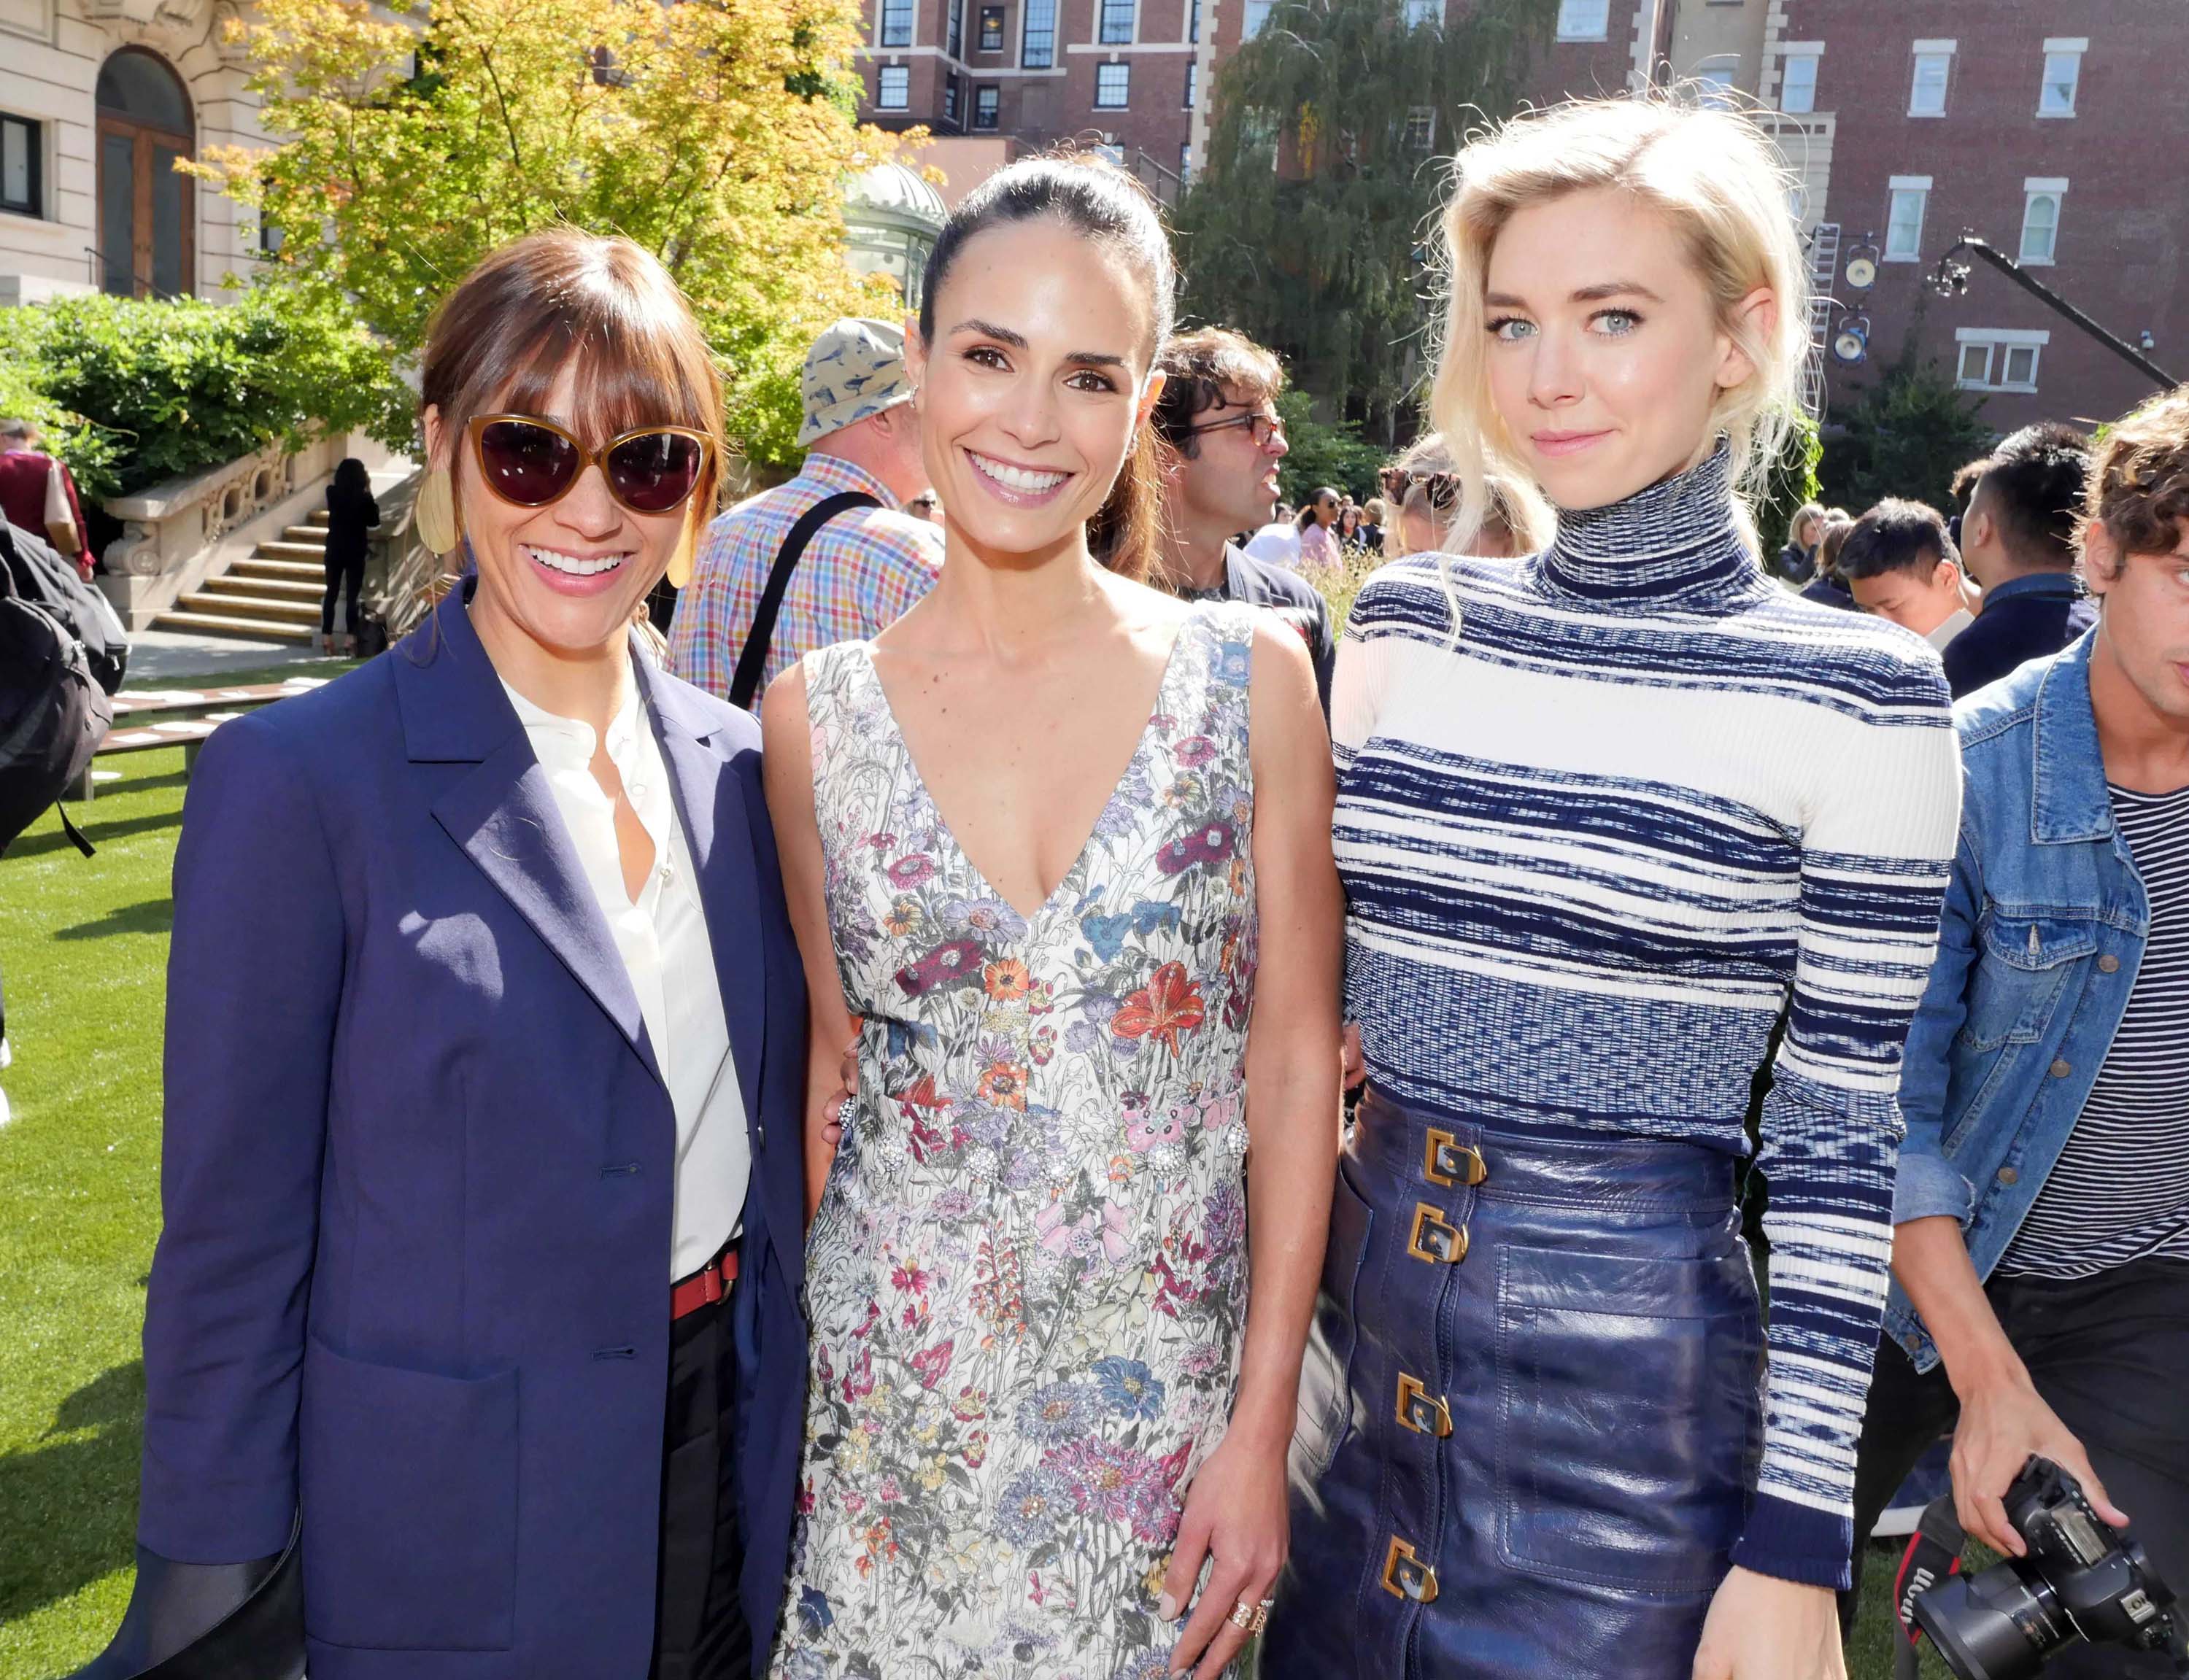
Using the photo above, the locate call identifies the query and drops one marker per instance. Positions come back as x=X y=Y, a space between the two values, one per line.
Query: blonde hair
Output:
x=1716 y=177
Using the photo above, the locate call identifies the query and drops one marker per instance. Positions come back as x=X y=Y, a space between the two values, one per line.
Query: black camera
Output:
x=2080 y=1581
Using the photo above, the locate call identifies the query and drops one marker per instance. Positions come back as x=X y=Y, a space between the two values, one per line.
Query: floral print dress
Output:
x=1027 y=1278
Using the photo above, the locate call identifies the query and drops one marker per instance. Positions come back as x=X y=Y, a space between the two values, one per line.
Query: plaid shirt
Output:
x=862 y=570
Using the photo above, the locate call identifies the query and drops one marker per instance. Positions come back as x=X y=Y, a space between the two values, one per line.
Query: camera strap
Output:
x=1934 y=1553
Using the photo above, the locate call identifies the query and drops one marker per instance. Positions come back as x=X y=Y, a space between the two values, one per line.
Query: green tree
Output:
x=1906 y=437
x=717 y=133
x=1310 y=226
x=132 y=391
x=1320 y=453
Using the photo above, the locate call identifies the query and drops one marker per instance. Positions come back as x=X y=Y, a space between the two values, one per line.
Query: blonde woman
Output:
x=1602 y=809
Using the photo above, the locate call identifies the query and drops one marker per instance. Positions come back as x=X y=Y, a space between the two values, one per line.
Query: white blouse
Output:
x=663 y=940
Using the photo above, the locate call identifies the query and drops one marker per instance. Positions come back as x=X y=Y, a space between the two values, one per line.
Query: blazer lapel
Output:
x=712 y=805
x=502 y=813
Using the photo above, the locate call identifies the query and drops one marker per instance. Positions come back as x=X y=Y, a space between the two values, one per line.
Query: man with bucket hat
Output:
x=830 y=556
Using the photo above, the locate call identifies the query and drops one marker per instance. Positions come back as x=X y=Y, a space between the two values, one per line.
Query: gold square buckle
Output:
x=1406 y=1576
x=1448 y=1161
x=1421 y=1411
x=1434 y=1239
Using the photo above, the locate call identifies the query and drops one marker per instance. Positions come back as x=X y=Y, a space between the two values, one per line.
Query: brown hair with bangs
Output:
x=561 y=297
x=2139 y=481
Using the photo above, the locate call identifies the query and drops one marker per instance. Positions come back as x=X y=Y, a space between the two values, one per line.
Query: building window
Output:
x=992 y=29
x=1255 y=14
x=893 y=88
x=1038 y=35
x=1110 y=152
x=1421 y=129
x=1934 y=68
x=1193 y=23
x=1797 y=85
x=1420 y=12
x=1115 y=29
x=1584 y=20
x=954 y=38
x=1714 y=82
x=1997 y=358
x=984 y=107
x=1114 y=86
x=21 y=154
x=2040 y=219
x=1192 y=81
x=1185 y=164
x=896 y=23
x=2064 y=70
x=1904 y=220
x=950 y=95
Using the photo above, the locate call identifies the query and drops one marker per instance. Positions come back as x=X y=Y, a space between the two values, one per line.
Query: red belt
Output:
x=705 y=1287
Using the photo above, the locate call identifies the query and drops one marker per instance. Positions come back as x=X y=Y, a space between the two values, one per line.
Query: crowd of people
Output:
x=968 y=1035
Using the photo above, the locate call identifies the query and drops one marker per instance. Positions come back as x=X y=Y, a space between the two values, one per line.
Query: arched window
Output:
x=147 y=212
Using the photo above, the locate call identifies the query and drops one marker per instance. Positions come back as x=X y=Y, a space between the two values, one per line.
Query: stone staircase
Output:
x=274 y=595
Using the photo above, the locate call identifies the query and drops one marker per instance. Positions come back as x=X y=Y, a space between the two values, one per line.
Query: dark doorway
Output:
x=147 y=212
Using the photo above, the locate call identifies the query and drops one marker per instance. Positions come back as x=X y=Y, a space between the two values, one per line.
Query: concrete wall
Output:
x=50 y=54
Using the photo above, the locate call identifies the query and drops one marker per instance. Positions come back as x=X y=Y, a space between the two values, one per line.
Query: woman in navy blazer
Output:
x=426 y=1157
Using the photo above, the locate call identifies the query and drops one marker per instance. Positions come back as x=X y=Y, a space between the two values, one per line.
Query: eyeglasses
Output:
x=1264 y=426
x=531 y=462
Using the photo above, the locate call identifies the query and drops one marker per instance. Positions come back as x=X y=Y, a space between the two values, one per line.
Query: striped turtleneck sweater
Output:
x=1596 y=832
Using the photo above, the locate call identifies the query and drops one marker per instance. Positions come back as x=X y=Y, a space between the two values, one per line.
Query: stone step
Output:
x=265 y=589
x=209 y=624
x=297 y=571
x=286 y=550
x=251 y=607
x=317 y=517
x=315 y=535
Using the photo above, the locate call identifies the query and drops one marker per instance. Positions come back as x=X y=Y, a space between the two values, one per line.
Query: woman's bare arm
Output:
x=787 y=771
x=1236 y=1509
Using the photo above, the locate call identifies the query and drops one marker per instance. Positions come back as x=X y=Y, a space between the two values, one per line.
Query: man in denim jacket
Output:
x=2041 y=1259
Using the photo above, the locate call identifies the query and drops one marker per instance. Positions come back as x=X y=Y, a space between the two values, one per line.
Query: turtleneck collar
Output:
x=1676 y=543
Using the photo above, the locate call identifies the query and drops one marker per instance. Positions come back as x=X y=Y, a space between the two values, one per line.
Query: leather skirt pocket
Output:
x=1326 y=1387
x=1628 y=1410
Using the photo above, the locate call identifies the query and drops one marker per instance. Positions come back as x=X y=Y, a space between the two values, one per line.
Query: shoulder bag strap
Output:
x=754 y=658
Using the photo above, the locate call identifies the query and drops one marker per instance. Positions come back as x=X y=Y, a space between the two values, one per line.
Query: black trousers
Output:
x=700 y=1630
x=2110 y=1355
x=345 y=578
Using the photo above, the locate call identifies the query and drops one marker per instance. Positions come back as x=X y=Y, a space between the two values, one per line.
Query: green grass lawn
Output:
x=83 y=946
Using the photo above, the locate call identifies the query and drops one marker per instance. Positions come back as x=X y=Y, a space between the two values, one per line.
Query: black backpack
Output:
x=40 y=575
x=52 y=714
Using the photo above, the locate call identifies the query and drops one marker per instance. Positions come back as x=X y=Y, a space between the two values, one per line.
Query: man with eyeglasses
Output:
x=1218 y=413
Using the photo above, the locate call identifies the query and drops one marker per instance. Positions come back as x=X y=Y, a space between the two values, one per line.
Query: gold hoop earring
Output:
x=434 y=515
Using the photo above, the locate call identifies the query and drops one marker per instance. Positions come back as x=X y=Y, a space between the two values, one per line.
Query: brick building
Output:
x=2051 y=130
x=1135 y=76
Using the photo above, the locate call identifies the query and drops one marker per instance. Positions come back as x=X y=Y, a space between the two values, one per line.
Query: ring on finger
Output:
x=845 y=1110
x=1243 y=1613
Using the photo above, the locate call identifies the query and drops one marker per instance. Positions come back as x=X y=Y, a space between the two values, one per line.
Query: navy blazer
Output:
x=414 y=1281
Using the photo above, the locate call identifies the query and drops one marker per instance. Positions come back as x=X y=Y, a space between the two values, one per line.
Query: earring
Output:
x=434 y=513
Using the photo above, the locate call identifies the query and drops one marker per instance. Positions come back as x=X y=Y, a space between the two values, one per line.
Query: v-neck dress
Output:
x=1027 y=1278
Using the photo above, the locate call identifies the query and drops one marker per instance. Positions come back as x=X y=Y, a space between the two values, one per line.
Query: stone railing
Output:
x=177 y=534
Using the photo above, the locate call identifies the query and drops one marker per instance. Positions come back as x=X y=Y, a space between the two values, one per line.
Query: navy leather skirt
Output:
x=1531 y=1410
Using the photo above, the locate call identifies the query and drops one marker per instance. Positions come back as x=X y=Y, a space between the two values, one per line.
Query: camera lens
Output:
x=2000 y=1624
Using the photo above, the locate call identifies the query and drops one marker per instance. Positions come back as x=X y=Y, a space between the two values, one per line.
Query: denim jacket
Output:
x=2044 y=926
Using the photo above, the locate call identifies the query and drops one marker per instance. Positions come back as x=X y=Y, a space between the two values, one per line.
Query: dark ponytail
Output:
x=1100 y=202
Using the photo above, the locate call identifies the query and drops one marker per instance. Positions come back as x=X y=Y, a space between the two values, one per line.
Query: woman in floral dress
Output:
x=1046 y=1435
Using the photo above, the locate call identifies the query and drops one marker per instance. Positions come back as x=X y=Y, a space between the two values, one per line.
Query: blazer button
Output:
x=2008 y=1175
x=760 y=1137
x=2108 y=964
x=2061 y=1069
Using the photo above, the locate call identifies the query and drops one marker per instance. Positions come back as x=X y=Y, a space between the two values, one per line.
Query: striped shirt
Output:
x=2120 y=1190
x=857 y=578
x=1592 y=838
